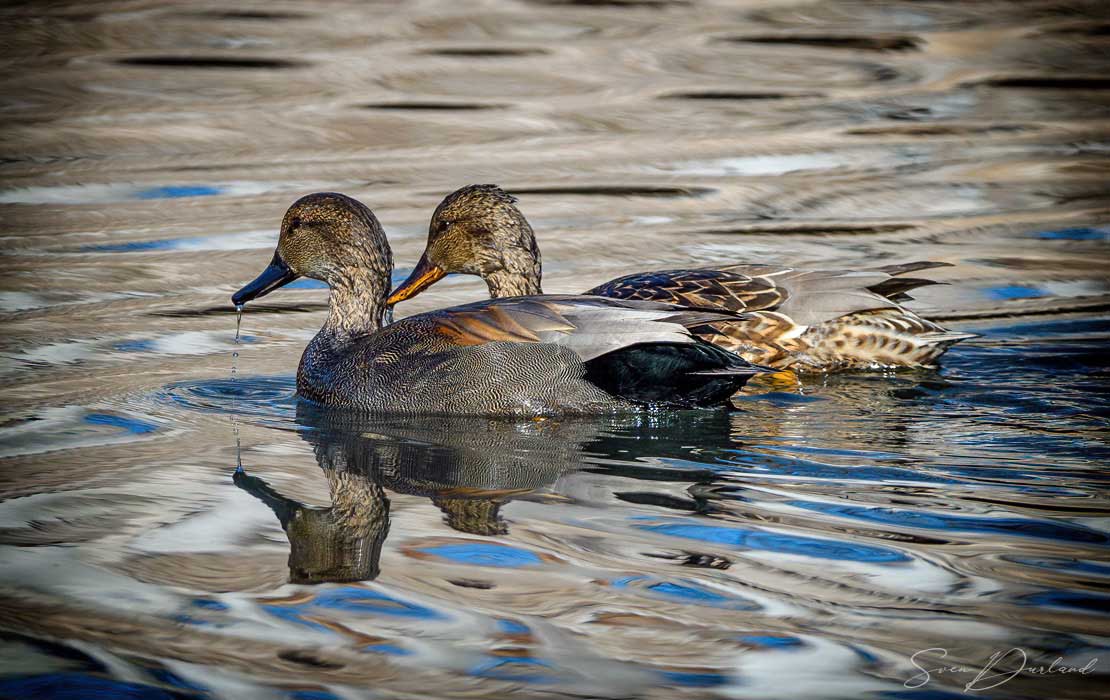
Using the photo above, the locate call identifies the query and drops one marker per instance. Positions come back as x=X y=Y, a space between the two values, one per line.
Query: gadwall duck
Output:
x=804 y=320
x=524 y=356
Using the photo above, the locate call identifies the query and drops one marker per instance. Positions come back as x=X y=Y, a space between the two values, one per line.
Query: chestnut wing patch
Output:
x=590 y=326
x=523 y=321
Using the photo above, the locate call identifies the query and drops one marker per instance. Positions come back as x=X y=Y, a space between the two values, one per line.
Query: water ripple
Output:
x=174 y=523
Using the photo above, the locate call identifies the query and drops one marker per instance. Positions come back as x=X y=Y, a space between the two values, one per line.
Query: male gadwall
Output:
x=805 y=320
x=525 y=356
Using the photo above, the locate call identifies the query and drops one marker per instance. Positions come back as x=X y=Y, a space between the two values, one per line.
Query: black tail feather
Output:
x=673 y=374
x=895 y=288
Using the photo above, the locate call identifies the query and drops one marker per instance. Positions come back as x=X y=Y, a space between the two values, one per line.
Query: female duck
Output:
x=511 y=357
x=805 y=320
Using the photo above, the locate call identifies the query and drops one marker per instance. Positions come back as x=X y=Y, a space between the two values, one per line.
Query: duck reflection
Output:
x=340 y=543
x=469 y=467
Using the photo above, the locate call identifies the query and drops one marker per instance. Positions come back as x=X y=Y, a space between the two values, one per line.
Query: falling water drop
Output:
x=235 y=407
x=238 y=450
x=238 y=320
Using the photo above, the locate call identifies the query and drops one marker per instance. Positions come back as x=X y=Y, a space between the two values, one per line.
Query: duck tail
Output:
x=944 y=337
x=684 y=375
x=895 y=288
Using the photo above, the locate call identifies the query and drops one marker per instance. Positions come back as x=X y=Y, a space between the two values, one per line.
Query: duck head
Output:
x=477 y=230
x=332 y=238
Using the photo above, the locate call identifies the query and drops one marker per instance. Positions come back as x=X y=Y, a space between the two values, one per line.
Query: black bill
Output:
x=277 y=274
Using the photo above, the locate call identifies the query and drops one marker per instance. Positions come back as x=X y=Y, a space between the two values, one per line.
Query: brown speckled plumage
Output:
x=478 y=230
x=806 y=320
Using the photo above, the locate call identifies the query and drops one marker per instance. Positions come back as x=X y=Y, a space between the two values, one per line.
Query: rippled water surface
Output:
x=175 y=525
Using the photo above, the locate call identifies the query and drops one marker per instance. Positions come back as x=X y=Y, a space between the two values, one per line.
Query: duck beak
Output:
x=423 y=276
x=277 y=274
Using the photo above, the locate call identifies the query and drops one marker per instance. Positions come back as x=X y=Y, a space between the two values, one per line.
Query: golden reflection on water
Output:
x=806 y=545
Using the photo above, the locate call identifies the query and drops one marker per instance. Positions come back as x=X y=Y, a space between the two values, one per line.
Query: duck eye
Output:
x=294 y=222
x=443 y=226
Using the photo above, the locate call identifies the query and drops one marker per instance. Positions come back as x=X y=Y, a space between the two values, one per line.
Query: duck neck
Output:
x=356 y=309
x=358 y=503
x=517 y=269
x=478 y=516
x=344 y=542
x=356 y=306
x=514 y=283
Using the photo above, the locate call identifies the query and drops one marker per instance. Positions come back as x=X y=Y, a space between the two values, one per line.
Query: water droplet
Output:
x=235 y=371
x=238 y=448
x=238 y=320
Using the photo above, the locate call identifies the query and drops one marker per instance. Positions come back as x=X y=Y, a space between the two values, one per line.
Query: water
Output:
x=808 y=544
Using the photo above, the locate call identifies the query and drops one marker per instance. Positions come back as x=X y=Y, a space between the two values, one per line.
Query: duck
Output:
x=524 y=356
x=797 y=319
